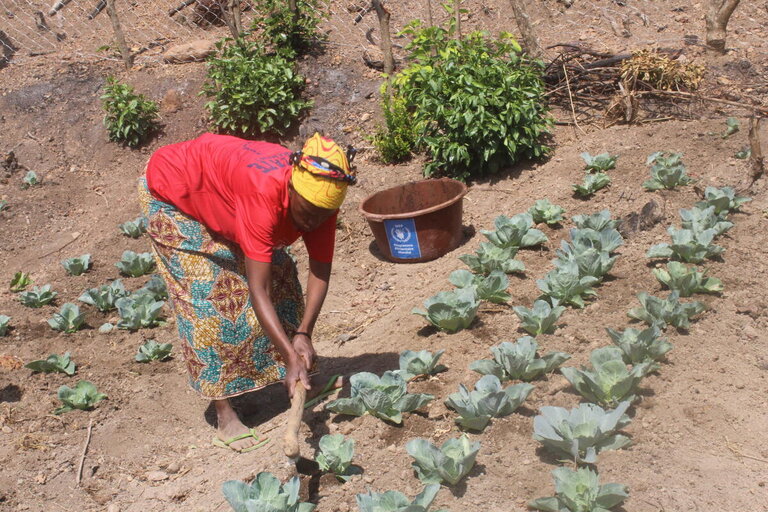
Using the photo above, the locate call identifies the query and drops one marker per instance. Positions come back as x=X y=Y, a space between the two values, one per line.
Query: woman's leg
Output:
x=229 y=426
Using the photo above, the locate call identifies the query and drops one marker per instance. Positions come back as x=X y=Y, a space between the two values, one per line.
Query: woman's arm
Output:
x=317 y=288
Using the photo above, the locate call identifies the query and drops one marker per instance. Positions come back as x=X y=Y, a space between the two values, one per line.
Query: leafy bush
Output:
x=451 y=311
x=609 y=381
x=335 y=456
x=38 y=296
x=515 y=232
x=397 y=138
x=449 y=463
x=700 y=219
x=292 y=35
x=565 y=286
x=580 y=491
x=77 y=265
x=583 y=432
x=687 y=281
x=687 y=245
x=544 y=211
x=252 y=92
x=540 y=319
x=599 y=163
x=68 y=319
x=20 y=281
x=384 y=397
x=658 y=312
x=600 y=221
x=136 y=264
x=723 y=199
x=518 y=361
x=136 y=313
x=134 y=228
x=53 y=363
x=153 y=351
x=591 y=184
x=394 y=501
x=490 y=257
x=105 y=296
x=5 y=322
x=129 y=117
x=646 y=346
x=419 y=364
x=492 y=287
x=667 y=171
x=83 y=396
x=488 y=400
x=265 y=493
x=30 y=180
x=477 y=103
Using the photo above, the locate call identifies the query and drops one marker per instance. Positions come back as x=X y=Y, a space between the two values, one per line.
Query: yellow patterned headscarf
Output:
x=322 y=172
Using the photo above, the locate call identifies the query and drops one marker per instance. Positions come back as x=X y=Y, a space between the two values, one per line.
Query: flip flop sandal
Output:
x=220 y=443
x=329 y=389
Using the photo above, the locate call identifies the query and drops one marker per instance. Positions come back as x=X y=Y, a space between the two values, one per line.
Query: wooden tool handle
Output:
x=291 y=441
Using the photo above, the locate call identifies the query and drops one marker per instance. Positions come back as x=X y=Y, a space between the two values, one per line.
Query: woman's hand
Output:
x=295 y=370
x=302 y=345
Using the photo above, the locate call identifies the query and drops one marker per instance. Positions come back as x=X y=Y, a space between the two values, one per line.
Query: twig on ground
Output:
x=570 y=98
x=739 y=453
x=79 y=475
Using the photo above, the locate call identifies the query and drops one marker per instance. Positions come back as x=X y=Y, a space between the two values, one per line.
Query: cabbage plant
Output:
x=518 y=361
x=601 y=162
x=541 y=318
x=490 y=257
x=38 y=296
x=104 y=297
x=544 y=211
x=155 y=287
x=667 y=171
x=68 y=319
x=589 y=261
x=451 y=311
x=139 y=312
x=658 y=312
x=134 y=228
x=646 y=346
x=591 y=184
x=724 y=200
x=565 y=286
x=83 y=396
x=492 y=287
x=687 y=281
x=266 y=494
x=579 y=490
x=151 y=350
x=606 y=240
x=699 y=219
x=77 y=265
x=687 y=245
x=609 y=381
x=335 y=456
x=394 y=501
x=598 y=221
x=419 y=364
x=488 y=400
x=384 y=397
x=583 y=432
x=449 y=463
x=515 y=232
x=135 y=264
x=5 y=322
x=53 y=363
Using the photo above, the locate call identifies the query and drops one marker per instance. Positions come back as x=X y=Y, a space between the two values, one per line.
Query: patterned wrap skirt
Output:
x=226 y=351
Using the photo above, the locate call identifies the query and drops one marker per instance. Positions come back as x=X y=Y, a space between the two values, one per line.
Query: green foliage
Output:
x=591 y=184
x=138 y=312
x=742 y=154
x=583 y=432
x=285 y=32
x=419 y=364
x=724 y=200
x=488 y=400
x=541 y=318
x=687 y=280
x=397 y=138
x=515 y=232
x=20 y=281
x=134 y=228
x=53 y=363
x=580 y=491
x=451 y=311
x=477 y=103
x=30 y=180
x=153 y=351
x=490 y=257
x=449 y=463
x=384 y=397
x=609 y=381
x=588 y=261
x=599 y=163
x=731 y=127
x=518 y=361
x=129 y=117
x=104 y=297
x=394 y=501
x=565 y=285
x=78 y=265
x=155 y=288
x=492 y=287
x=544 y=211
x=136 y=264
x=335 y=456
x=699 y=219
x=38 y=297
x=600 y=221
x=266 y=494
x=606 y=240
x=83 y=396
x=252 y=92
x=667 y=171
x=646 y=346
x=687 y=245
x=5 y=322
x=658 y=312
x=68 y=319
x=3 y=205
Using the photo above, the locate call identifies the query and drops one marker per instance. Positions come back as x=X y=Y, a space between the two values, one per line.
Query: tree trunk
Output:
x=717 y=22
x=119 y=37
x=457 y=8
x=430 y=21
x=530 y=41
x=386 y=42
x=758 y=134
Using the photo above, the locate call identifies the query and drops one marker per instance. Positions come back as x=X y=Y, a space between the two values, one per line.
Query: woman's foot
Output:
x=231 y=427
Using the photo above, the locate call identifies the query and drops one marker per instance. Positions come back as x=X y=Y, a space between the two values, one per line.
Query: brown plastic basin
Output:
x=418 y=221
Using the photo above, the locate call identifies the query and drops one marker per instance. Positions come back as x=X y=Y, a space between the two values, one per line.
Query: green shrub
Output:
x=252 y=92
x=288 y=34
x=397 y=138
x=477 y=102
x=130 y=117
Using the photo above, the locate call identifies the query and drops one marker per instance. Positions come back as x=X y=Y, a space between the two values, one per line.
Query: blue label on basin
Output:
x=403 y=239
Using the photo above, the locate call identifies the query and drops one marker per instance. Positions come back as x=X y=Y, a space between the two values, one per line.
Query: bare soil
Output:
x=698 y=431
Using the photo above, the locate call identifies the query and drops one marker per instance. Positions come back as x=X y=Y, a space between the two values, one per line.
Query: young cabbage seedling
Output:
x=731 y=127
x=658 y=312
x=449 y=463
x=68 y=319
x=541 y=318
x=564 y=285
x=667 y=171
x=646 y=346
x=414 y=365
x=492 y=287
x=451 y=311
x=335 y=456
x=53 y=363
x=589 y=262
x=136 y=265
x=544 y=211
x=134 y=228
x=5 y=322
x=83 y=396
x=105 y=296
x=723 y=199
x=687 y=245
x=518 y=361
x=20 y=281
x=599 y=163
x=490 y=257
x=78 y=265
x=265 y=493
x=515 y=232
x=153 y=351
x=488 y=400
x=598 y=221
x=38 y=296
x=140 y=312
x=30 y=180
x=580 y=491
x=606 y=240
x=394 y=501
x=687 y=281
x=591 y=184
x=699 y=219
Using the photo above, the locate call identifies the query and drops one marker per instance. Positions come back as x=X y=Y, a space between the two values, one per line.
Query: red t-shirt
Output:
x=238 y=189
